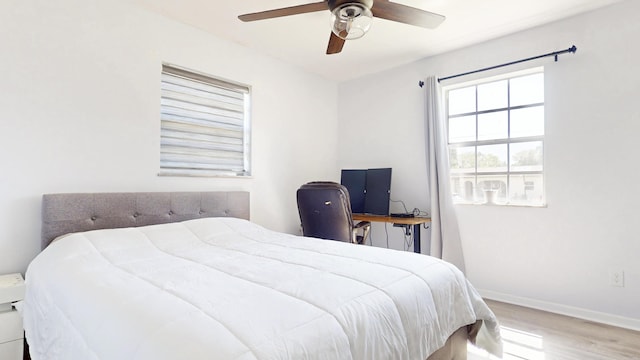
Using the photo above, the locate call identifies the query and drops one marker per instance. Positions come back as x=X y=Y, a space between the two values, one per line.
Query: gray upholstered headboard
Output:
x=67 y=213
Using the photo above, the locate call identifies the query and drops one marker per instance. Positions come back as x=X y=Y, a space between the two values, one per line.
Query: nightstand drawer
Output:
x=10 y=327
x=11 y=350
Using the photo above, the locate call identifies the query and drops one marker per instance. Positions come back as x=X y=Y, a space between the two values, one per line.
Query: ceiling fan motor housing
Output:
x=333 y=4
x=350 y=19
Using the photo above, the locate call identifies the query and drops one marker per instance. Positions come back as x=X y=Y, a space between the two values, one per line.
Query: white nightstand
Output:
x=11 y=332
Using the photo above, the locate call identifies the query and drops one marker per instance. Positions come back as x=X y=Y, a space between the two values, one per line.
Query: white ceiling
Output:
x=302 y=39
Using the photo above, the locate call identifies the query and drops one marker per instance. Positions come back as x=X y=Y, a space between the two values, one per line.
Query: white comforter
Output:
x=223 y=288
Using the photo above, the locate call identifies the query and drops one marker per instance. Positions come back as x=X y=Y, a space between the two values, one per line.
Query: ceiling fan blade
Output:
x=405 y=14
x=335 y=44
x=292 y=10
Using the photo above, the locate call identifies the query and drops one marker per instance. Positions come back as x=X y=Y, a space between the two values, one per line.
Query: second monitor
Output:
x=369 y=190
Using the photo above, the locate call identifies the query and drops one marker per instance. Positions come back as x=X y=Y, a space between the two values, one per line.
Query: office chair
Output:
x=325 y=213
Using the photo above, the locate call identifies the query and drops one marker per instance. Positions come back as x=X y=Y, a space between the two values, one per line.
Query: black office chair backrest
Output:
x=325 y=211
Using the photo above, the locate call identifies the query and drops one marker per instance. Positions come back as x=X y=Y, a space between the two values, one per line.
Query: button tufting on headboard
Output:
x=67 y=213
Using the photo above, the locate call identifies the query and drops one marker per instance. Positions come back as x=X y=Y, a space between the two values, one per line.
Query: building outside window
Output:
x=496 y=140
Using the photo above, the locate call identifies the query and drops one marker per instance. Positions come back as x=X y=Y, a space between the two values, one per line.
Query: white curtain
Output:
x=445 y=234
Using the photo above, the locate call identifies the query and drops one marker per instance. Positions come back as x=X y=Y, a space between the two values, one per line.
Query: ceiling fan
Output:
x=351 y=19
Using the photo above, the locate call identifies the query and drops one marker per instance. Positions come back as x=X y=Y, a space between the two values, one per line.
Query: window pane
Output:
x=526 y=156
x=462 y=188
x=496 y=151
x=527 y=90
x=493 y=126
x=527 y=122
x=492 y=189
x=462 y=101
x=526 y=189
x=462 y=129
x=493 y=95
x=492 y=158
x=462 y=159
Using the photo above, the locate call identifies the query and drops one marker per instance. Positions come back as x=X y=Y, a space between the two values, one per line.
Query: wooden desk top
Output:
x=390 y=219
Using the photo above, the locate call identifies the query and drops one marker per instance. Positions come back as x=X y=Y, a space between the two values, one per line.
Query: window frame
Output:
x=188 y=168
x=508 y=140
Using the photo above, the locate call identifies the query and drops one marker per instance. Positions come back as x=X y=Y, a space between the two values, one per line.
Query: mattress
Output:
x=226 y=288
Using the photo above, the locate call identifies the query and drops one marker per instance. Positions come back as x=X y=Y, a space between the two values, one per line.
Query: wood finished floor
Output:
x=537 y=335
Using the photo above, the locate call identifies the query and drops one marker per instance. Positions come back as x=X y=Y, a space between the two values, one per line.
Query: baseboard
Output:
x=604 y=318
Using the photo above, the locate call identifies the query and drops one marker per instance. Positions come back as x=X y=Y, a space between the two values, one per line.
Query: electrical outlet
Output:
x=616 y=277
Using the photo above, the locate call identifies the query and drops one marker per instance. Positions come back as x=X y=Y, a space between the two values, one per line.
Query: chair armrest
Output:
x=365 y=226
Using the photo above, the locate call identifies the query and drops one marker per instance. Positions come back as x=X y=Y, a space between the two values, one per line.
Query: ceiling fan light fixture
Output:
x=351 y=20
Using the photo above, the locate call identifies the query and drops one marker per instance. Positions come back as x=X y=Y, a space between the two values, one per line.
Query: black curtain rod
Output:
x=572 y=49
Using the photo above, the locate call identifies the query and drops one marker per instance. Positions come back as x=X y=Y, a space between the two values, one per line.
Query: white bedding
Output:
x=223 y=288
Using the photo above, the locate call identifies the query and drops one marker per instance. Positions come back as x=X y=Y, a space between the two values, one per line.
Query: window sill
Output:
x=502 y=205
x=218 y=176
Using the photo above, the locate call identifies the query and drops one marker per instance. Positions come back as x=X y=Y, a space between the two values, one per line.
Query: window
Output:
x=496 y=140
x=204 y=125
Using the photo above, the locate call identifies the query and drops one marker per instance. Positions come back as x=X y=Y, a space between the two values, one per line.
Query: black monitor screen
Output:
x=354 y=181
x=369 y=190
x=378 y=191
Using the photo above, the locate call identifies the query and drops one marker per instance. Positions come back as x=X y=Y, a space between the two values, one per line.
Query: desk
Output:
x=415 y=221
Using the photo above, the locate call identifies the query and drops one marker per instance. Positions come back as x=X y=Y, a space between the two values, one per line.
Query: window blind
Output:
x=204 y=125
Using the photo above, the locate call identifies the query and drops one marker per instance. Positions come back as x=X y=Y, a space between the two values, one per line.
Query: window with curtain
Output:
x=496 y=140
x=205 y=127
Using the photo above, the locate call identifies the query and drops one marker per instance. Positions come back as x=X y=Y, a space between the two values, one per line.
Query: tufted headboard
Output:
x=67 y=213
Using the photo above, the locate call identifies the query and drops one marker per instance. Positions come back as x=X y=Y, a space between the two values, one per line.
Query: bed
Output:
x=188 y=276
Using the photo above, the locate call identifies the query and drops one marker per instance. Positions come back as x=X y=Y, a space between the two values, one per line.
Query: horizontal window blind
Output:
x=204 y=125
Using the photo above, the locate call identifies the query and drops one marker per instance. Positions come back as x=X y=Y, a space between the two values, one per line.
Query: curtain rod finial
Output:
x=421 y=83
x=573 y=49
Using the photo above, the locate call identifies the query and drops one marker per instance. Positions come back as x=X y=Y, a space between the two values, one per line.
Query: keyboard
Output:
x=402 y=215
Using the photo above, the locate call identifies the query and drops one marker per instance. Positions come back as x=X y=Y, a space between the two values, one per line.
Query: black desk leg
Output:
x=416 y=240
x=416 y=237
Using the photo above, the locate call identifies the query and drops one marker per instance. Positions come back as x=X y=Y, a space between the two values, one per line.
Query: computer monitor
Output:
x=378 y=189
x=369 y=190
x=355 y=182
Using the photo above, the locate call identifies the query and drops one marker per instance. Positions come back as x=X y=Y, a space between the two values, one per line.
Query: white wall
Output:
x=558 y=257
x=381 y=121
x=79 y=112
